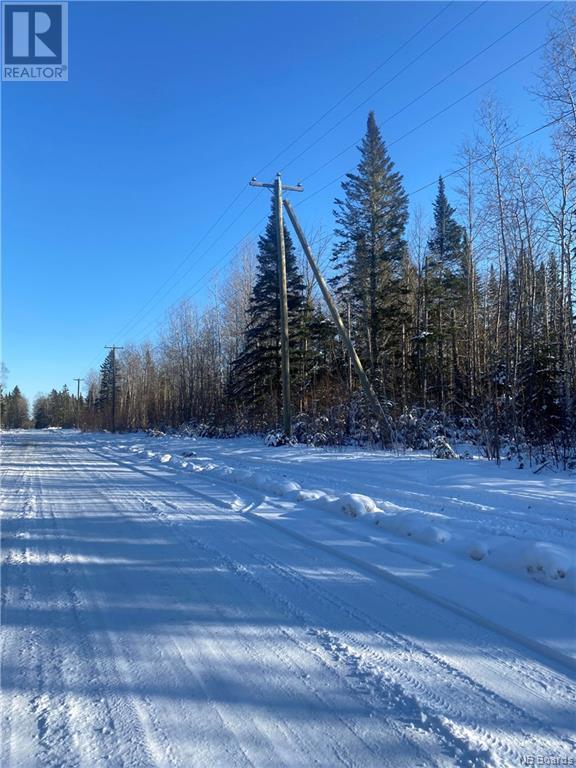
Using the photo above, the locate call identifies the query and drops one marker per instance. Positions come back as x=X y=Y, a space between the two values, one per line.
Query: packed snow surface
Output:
x=177 y=602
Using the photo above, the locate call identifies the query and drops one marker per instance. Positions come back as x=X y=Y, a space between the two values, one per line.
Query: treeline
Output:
x=465 y=311
x=59 y=408
x=13 y=409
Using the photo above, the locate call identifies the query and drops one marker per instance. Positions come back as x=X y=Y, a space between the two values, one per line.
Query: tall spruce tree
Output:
x=256 y=373
x=445 y=265
x=104 y=402
x=444 y=304
x=14 y=410
x=371 y=220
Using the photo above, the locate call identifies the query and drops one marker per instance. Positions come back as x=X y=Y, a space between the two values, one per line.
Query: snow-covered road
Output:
x=154 y=620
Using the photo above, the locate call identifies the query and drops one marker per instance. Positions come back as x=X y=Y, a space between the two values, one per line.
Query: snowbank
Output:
x=549 y=563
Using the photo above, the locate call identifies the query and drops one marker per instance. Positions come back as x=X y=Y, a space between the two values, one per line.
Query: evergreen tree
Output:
x=14 y=410
x=445 y=286
x=104 y=402
x=41 y=412
x=256 y=373
x=446 y=277
x=371 y=221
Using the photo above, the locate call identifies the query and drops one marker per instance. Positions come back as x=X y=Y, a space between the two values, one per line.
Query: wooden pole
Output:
x=78 y=402
x=283 y=292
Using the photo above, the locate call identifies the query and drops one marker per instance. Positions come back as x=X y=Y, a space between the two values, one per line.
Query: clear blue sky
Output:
x=109 y=180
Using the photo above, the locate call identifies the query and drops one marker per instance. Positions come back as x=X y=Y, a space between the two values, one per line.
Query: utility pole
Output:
x=78 y=402
x=385 y=426
x=114 y=348
x=278 y=187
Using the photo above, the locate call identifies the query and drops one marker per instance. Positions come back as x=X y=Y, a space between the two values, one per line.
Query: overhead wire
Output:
x=428 y=90
x=141 y=313
x=134 y=322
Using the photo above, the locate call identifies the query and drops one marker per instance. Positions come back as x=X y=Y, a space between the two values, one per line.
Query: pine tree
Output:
x=445 y=287
x=256 y=373
x=41 y=412
x=14 y=410
x=445 y=267
x=104 y=402
x=371 y=221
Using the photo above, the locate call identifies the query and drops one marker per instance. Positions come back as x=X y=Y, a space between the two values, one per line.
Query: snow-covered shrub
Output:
x=276 y=439
x=315 y=431
x=441 y=448
x=155 y=433
x=203 y=429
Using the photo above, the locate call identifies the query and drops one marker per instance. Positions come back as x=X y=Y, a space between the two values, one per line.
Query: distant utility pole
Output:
x=383 y=420
x=278 y=187
x=114 y=348
x=78 y=403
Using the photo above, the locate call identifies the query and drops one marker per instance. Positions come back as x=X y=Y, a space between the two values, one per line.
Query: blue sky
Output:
x=111 y=179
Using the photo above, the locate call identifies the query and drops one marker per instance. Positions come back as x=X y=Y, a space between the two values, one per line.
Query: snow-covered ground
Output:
x=180 y=602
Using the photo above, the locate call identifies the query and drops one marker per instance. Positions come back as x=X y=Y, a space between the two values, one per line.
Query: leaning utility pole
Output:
x=78 y=403
x=379 y=411
x=284 y=336
x=114 y=348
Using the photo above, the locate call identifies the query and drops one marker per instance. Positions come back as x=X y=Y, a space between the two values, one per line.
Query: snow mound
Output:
x=357 y=505
x=477 y=550
x=304 y=495
x=415 y=526
x=258 y=480
x=542 y=561
x=551 y=564
x=351 y=504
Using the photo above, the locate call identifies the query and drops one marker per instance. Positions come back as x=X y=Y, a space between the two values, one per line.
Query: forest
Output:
x=463 y=316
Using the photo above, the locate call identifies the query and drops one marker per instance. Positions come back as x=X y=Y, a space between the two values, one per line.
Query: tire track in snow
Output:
x=46 y=713
x=514 y=755
x=455 y=744
x=461 y=612
x=142 y=715
x=212 y=555
x=403 y=654
x=13 y=496
x=536 y=681
x=234 y=725
x=76 y=724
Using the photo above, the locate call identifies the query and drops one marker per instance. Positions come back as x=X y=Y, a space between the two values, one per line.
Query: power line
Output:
x=183 y=261
x=188 y=294
x=359 y=85
x=385 y=85
x=142 y=311
x=131 y=322
x=410 y=194
x=414 y=128
x=488 y=154
x=424 y=122
x=165 y=293
x=313 y=194
x=432 y=87
x=134 y=322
